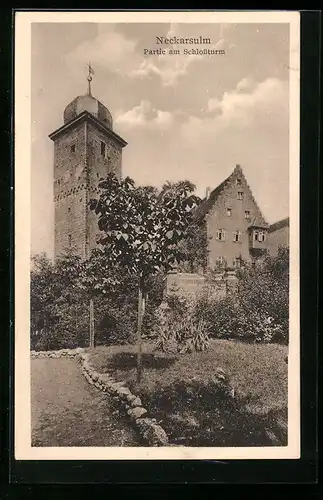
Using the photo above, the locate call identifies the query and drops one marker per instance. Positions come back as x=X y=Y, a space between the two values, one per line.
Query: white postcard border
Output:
x=22 y=427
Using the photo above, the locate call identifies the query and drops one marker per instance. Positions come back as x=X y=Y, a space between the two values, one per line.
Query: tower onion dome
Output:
x=88 y=103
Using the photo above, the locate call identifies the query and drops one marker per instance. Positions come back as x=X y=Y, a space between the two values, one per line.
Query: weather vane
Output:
x=89 y=78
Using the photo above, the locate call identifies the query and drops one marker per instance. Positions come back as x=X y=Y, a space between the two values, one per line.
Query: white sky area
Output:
x=184 y=117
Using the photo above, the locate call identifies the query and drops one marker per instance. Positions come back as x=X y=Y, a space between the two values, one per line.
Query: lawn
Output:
x=233 y=394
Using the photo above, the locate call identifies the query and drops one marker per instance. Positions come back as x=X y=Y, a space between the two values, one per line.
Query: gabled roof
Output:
x=279 y=225
x=208 y=203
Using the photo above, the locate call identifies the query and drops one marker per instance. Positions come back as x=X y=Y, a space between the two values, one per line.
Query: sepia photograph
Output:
x=157 y=240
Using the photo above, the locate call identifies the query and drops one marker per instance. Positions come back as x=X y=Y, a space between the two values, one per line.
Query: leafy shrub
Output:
x=255 y=310
x=60 y=297
x=178 y=325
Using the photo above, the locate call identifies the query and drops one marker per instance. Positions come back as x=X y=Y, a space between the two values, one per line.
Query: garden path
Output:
x=67 y=411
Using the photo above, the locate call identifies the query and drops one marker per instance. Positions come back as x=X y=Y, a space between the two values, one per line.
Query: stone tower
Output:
x=85 y=149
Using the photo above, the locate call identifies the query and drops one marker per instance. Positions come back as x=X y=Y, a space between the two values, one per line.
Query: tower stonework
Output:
x=85 y=149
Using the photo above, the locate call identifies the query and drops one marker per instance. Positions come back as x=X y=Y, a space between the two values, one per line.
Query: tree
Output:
x=142 y=231
x=194 y=243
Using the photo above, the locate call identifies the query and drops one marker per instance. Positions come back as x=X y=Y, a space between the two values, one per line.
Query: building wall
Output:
x=70 y=191
x=277 y=238
x=76 y=177
x=218 y=219
x=99 y=167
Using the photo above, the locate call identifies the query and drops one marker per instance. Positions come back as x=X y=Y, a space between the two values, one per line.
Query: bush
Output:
x=60 y=304
x=256 y=310
x=180 y=326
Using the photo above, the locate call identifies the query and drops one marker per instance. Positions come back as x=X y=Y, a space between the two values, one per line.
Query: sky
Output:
x=184 y=117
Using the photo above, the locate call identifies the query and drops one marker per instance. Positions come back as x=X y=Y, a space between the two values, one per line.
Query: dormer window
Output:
x=240 y=195
x=103 y=148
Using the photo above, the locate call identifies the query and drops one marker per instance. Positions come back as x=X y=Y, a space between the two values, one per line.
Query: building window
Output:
x=69 y=209
x=239 y=182
x=247 y=214
x=103 y=148
x=237 y=236
x=229 y=212
x=236 y=261
x=73 y=148
x=220 y=262
x=259 y=236
x=240 y=195
x=220 y=235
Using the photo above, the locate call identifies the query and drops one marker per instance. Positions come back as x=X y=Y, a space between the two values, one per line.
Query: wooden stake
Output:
x=91 y=324
x=141 y=312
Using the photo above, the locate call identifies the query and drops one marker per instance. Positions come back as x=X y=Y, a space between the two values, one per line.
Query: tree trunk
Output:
x=141 y=312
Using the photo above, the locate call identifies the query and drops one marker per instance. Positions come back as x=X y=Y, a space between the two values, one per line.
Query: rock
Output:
x=137 y=413
x=117 y=385
x=131 y=397
x=105 y=377
x=123 y=392
x=136 y=402
x=153 y=433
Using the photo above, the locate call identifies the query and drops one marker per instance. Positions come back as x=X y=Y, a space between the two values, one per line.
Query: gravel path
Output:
x=67 y=411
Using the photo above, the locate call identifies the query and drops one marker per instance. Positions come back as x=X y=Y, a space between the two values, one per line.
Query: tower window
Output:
x=237 y=236
x=69 y=239
x=240 y=195
x=69 y=209
x=229 y=212
x=220 y=235
x=247 y=214
x=103 y=148
x=239 y=182
x=73 y=148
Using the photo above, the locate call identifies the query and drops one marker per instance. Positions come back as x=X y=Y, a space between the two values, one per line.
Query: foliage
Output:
x=140 y=228
x=258 y=310
x=180 y=325
x=60 y=297
x=255 y=308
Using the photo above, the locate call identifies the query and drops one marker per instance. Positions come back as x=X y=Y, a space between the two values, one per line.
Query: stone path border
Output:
x=148 y=428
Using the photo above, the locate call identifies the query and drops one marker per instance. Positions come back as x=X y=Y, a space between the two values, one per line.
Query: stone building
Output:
x=85 y=149
x=278 y=235
x=236 y=228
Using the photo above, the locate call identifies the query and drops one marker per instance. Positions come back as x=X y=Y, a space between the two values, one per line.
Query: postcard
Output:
x=157 y=235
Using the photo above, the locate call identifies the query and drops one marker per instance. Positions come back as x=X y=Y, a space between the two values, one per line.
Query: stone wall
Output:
x=223 y=283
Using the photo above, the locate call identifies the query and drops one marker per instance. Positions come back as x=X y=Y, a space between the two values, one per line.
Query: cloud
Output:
x=144 y=115
x=169 y=68
x=109 y=49
x=120 y=54
x=248 y=104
